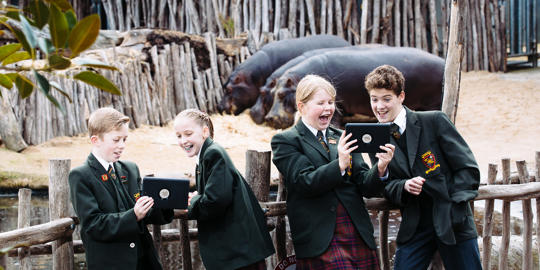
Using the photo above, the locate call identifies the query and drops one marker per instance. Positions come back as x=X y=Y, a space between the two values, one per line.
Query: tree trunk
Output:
x=9 y=129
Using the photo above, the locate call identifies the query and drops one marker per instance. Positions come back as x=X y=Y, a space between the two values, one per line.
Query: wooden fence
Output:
x=415 y=23
x=26 y=241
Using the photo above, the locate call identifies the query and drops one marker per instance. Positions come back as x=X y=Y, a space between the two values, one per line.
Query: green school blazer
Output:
x=437 y=152
x=315 y=186
x=111 y=235
x=231 y=224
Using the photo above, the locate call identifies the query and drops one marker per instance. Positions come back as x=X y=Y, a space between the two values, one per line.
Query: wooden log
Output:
x=452 y=68
x=292 y=18
x=257 y=28
x=310 y=7
x=265 y=23
x=46 y=249
x=10 y=132
x=527 y=219
x=339 y=19
x=375 y=33
x=58 y=209
x=383 y=240
x=482 y=18
x=537 y=161
x=433 y=28
x=211 y=46
x=410 y=23
x=281 y=229
x=330 y=17
x=301 y=19
x=322 y=22
x=258 y=173
x=158 y=241
x=405 y=24
x=23 y=221
x=348 y=14
x=475 y=35
x=184 y=245
x=488 y=221
x=364 y=22
x=217 y=20
x=417 y=24
x=505 y=239
x=38 y=234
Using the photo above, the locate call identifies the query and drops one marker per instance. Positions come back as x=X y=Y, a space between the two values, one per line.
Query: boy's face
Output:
x=318 y=111
x=385 y=104
x=191 y=135
x=111 y=144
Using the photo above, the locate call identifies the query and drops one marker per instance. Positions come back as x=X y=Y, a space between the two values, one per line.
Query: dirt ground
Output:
x=498 y=115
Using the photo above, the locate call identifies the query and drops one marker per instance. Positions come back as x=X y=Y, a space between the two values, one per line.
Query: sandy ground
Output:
x=498 y=115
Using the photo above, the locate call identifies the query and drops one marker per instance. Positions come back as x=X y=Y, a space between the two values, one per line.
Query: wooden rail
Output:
x=36 y=240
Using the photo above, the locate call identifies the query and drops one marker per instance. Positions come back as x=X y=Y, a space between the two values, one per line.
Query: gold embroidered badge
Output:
x=429 y=160
x=137 y=195
x=332 y=141
x=104 y=177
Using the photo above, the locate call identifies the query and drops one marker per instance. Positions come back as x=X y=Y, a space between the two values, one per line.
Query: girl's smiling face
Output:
x=318 y=111
x=191 y=135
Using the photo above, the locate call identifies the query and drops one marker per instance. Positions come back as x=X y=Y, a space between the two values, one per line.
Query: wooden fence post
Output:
x=452 y=69
x=9 y=129
x=258 y=173
x=383 y=239
x=62 y=249
x=505 y=239
x=537 y=179
x=23 y=220
x=488 y=221
x=527 y=262
x=281 y=228
x=185 y=245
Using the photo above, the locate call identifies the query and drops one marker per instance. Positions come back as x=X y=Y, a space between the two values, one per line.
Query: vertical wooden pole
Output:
x=158 y=242
x=62 y=249
x=184 y=245
x=505 y=240
x=452 y=69
x=527 y=262
x=9 y=129
x=537 y=179
x=258 y=173
x=23 y=220
x=281 y=228
x=488 y=221
x=383 y=240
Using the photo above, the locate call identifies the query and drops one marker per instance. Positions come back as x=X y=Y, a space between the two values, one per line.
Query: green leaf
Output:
x=88 y=62
x=13 y=15
x=45 y=88
x=5 y=81
x=45 y=45
x=8 y=49
x=39 y=12
x=62 y=4
x=16 y=57
x=25 y=86
x=22 y=39
x=71 y=19
x=98 y=81
x=58 y=62
x=28 y=32
x=58 y=27
x=59 y=89
x=84 y=34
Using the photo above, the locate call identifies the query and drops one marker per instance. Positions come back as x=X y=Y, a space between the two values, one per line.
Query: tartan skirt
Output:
x=256 y=266
x=347 y=250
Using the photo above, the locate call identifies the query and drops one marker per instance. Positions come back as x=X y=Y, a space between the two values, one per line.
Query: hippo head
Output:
x=281 y=114
x=263 y=103
x=239 y=94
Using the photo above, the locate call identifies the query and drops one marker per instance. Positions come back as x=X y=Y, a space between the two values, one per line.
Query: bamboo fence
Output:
x=416 y=23
x=511 y=186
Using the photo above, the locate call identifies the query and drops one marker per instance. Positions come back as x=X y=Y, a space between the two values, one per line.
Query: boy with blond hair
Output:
x=105 y=193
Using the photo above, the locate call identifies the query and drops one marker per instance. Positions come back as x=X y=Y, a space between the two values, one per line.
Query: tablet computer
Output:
x=369 y=136
x=167 y=192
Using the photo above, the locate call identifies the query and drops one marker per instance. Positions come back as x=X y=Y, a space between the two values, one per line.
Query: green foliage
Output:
x=68 y=37
x=228 y=25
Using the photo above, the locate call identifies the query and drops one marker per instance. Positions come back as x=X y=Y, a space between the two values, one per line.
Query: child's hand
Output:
x=414 y=185
x=142 y=206
x=191 y=195
x=385 y=157
x=344 y=150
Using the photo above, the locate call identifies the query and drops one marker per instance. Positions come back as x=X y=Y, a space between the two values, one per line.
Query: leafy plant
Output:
x=65 y=39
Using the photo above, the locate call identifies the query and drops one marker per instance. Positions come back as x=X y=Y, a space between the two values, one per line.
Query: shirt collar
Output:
x=102 y=161
x=401 y=120
x=314 y=130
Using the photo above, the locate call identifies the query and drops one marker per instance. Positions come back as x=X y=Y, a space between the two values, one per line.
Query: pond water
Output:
x=39 y=214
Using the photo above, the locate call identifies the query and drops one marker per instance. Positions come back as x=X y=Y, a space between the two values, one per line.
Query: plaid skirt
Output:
x=347 y=250
x=256 y=266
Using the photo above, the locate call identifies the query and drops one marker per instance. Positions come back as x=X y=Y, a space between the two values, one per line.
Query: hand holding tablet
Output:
x=369 y=136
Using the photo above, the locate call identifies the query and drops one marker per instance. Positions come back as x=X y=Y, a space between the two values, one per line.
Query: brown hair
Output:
x=385 y=77
x=201 y=118
x=104 y=120
x=309 y=84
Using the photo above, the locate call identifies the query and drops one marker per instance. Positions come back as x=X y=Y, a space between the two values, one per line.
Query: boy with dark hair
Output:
x=432 y=178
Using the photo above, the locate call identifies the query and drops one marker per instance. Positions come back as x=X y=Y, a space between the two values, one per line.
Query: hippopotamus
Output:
x=266 y=98
x=346 y=70
x=242 y=87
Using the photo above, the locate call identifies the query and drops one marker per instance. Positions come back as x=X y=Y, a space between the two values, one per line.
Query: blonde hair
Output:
x=309 y=84
x=385 y=77
x=104 y=120
x=202 y=118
